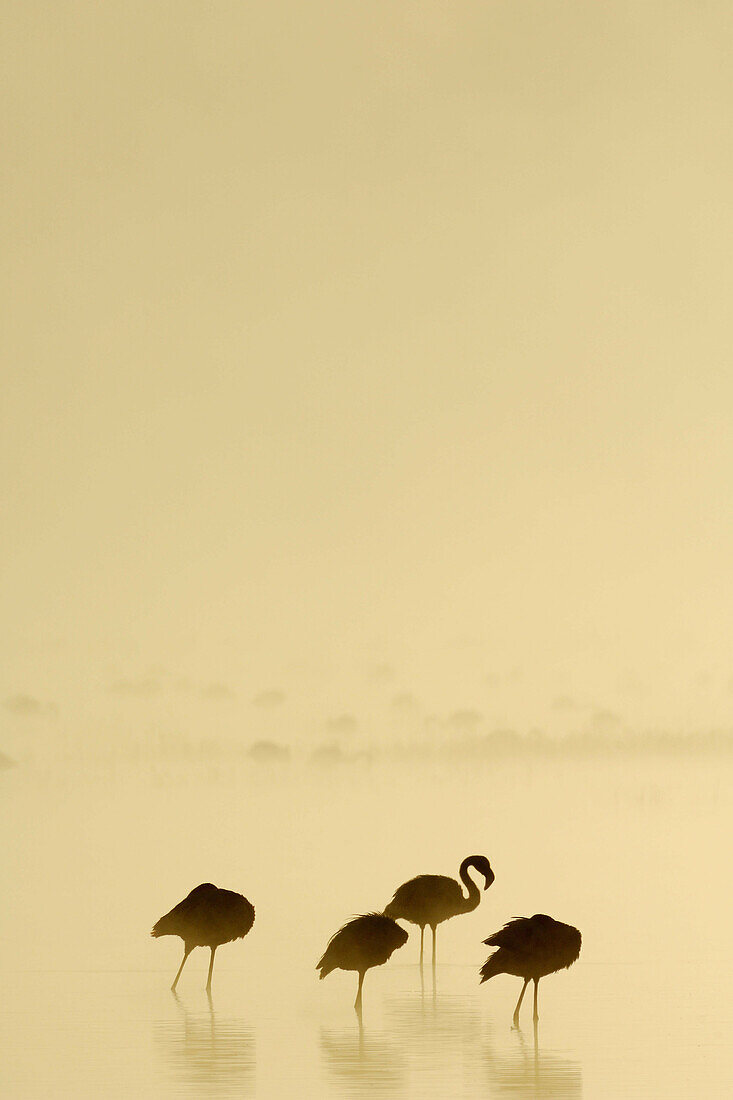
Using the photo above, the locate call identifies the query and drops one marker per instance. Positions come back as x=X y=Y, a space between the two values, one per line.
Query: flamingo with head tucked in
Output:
x=208 y=917
x=362 y=943
x=531 y=947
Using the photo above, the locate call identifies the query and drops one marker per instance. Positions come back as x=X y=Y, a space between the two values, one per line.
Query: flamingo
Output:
x=360 y=944
x=431 y=899
x=208 y=917
x=530 y=948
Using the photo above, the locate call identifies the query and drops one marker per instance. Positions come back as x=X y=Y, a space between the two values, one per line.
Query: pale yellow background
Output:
x=366 y=389
x=352 y=333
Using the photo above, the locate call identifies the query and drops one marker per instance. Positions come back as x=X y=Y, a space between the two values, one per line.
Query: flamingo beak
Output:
x=489 y=879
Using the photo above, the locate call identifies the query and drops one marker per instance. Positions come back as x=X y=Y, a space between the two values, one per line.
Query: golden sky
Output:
x=364 y=327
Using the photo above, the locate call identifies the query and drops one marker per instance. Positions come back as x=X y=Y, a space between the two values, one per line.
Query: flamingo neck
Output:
x=474 y=894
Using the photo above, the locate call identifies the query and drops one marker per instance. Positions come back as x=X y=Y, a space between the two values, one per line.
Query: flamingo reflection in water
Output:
x=206 y=1052
x=525 y=1070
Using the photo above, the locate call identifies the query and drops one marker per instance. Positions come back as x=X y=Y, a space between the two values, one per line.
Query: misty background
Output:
x=365 y=409
x=366 y=374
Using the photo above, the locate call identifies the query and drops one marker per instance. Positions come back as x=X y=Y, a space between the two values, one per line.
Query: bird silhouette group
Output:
x=527 y=947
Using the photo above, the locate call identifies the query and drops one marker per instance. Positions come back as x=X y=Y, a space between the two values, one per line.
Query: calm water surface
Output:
x=631 y=850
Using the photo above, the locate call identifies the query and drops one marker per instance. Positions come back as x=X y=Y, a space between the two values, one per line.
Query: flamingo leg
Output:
x=422 y=941
x=433 y=927
x=186 y=952
x=357 y=1002
x=211 y=970
x=535 y=1017
x=515 y=1020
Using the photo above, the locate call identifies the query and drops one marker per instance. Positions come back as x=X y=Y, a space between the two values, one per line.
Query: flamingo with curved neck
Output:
x=432 y=899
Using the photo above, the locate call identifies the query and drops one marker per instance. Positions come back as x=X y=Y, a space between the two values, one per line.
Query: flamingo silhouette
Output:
x=362 y=943
x=208 y=917
x=531 y=948
x=431 y=899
